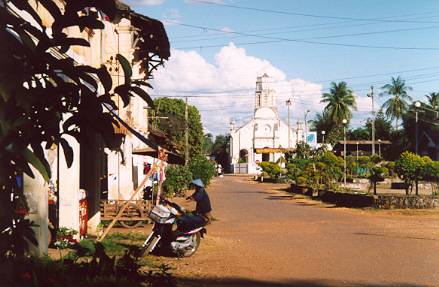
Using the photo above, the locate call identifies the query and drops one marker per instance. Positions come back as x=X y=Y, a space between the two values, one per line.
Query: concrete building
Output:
x=266 y=137
x=143 y=41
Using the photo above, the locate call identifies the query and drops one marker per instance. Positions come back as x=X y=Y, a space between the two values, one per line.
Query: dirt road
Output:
x=266 y=237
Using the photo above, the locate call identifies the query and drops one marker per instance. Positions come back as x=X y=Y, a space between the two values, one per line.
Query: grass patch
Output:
x=133 y=236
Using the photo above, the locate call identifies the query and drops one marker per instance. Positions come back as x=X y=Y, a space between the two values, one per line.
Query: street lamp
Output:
x=417 y=106
x=379 y=147
x=323 y=135
x=288 y=102
x=345 y=121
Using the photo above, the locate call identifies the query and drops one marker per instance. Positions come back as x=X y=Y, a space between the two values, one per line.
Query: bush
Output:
x=431 y=173
x=377 y=173
x=301 y=180
x=272 y=169
x=391 y=167
x=410 y=167
x=178 y=179
x=202 y=168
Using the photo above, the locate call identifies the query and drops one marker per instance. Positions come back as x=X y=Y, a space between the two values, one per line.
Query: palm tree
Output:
x=433 y=100
x=397 y=104
x=340 y=101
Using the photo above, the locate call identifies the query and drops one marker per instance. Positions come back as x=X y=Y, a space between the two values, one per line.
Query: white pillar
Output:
x=36 y=192
x=69 y=189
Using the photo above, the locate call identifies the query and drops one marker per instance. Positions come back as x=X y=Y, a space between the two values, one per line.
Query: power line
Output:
x=281 y=39
x=334 y=36
x=310 y=15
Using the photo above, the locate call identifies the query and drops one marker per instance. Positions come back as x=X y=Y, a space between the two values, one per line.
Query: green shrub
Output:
x=202 y=168
x=377 y=173
x=390 y=165
x=410 y=167
x=272 y=169
x=301 y=180
x=178 y=179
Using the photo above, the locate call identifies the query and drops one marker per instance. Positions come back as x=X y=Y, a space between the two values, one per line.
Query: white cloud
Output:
x=145 y=2
x=227 y=86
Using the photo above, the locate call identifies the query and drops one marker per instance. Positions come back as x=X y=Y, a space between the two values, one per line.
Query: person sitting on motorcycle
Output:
x=202 y=215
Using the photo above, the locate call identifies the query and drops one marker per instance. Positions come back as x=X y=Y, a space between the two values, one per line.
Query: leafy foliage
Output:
x=397 y=104
x=221 y=150
x=89 y=265
x=40 y=88
x=202 y=168
x=272 y=169
x=377 y=173
x=207 y=144
x=410 y=167
x=339 y=102
x=433 y=101
x=178 y=178
x=174 y=125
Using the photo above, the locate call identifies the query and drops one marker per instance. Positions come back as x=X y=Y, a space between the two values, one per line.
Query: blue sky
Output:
x=404 y=34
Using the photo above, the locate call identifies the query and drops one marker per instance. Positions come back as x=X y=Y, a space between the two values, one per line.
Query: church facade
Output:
x=265 y=137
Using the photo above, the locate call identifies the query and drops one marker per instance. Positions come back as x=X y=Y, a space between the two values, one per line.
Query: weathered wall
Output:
x=359 y=200
x=406 y=201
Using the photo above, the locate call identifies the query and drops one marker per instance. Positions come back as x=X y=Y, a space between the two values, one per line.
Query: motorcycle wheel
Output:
x=196 y=238
x=152 y=245
x=148 y=248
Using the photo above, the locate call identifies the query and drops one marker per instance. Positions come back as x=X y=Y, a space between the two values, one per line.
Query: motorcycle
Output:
x=167 y=235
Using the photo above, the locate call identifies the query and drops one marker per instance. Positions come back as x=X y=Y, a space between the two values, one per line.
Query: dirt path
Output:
x=266 y=237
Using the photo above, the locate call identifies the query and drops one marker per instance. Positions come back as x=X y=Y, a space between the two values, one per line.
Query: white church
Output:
x=265 y=137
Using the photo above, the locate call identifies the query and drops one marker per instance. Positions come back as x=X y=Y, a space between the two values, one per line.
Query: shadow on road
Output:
x=280 y=197
x=235 y=282
x=395 y=236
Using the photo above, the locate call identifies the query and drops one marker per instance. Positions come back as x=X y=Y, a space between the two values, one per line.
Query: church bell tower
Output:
x=265 y=94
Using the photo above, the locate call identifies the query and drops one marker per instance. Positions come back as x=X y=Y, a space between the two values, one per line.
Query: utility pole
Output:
x=417 y=106
x=344 y=151
x=373 y=120
x=288 y=102
x=186 y=134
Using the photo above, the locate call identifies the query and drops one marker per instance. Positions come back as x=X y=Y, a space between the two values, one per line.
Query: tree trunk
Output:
x=374 y=188
x=417 y=189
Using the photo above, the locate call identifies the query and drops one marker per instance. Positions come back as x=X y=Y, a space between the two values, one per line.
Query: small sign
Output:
x=311 y=139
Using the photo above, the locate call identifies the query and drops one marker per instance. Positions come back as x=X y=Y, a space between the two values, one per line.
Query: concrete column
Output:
x=36 y=192
x=69 y=189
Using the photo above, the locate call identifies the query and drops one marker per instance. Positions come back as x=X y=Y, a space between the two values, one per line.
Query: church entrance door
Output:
x=265 y=157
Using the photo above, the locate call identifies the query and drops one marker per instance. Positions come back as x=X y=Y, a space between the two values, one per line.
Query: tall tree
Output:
x=340 y=102
x=433 y=100
x=174 y=124
x=221 y=149
x=207 y=144
x=322 y=122
x=397 y=104
x=383 y=127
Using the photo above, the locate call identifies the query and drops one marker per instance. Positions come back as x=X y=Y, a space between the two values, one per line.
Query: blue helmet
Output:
x=198 y=182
